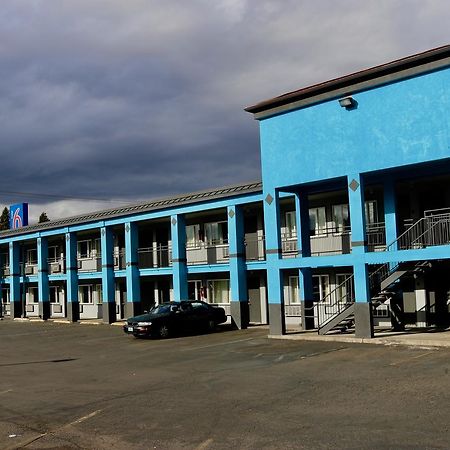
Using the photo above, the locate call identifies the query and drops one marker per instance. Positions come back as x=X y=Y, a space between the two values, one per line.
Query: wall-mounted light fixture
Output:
x=348 y=102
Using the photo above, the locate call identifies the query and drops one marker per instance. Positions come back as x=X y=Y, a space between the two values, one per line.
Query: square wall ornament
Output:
x=269 y=199
x=353 y=185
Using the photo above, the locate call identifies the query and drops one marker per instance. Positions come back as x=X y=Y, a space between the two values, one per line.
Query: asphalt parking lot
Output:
x=83 y=386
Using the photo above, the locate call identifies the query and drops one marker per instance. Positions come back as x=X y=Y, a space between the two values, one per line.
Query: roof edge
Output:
x=308 y=95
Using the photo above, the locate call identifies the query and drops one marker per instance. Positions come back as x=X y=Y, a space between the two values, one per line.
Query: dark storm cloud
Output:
x=138 y=99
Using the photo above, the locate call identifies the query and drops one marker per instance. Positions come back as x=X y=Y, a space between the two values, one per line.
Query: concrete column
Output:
x=108 y=285
x=133 y=305
x=306 y=297
x=363 y=306
x=421 y=302
x=14 y=280
x=179 y=267
x=357 y=213
x=277 y=321
x=390 y=216
x=302 y=223
x=238 y=274
x=43 y=285
x=73 y=306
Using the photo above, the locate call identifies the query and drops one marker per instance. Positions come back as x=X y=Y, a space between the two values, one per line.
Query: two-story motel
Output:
x=350 y=225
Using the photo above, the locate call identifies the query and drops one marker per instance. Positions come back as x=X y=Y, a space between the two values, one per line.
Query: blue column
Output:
x=302 y=223
x=238 y=275
x=14 y=280
x=363 y=307
x=133 y=305
x=305 y=288
x=178 y=237
x=43 y=287
x=277 y=320
x=108 y=283
x=73 y=307
x=357 y=213
x=390 y=216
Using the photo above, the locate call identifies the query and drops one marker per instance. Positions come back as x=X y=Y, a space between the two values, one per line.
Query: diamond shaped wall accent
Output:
x=127 y=228
x=353 y=185
x=231 y=213
x=269 y=199
x=174 y=221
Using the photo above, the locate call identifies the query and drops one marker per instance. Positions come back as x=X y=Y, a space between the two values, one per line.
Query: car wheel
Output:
x=164 y=331
x=211 y=325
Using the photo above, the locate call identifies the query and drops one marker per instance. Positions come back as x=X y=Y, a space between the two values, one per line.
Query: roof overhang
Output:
x=397 y=70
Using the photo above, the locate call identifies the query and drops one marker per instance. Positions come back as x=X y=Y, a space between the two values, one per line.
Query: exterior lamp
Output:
x=348 y=102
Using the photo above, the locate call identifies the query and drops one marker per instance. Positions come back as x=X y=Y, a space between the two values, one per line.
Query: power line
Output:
x=62 y=197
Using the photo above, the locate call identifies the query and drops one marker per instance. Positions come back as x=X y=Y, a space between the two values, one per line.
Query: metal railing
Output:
x=376 y=236
x=214 y=252
x=155 y=256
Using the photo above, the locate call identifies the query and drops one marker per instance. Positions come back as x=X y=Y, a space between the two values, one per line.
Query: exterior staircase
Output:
x=336 y=311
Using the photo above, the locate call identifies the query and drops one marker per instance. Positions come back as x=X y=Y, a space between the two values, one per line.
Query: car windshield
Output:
x=160 y=309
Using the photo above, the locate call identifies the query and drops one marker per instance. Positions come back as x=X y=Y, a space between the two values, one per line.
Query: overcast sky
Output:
x=137 y=99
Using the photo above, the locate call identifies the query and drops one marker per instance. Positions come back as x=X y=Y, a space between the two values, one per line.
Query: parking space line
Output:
x=409 y=359
x=205 y=444
x=216 y=345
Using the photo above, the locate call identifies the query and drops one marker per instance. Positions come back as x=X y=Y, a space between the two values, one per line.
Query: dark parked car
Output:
x=172 y=318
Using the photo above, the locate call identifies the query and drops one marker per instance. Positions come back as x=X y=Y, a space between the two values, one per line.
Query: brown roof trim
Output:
x=327 y=89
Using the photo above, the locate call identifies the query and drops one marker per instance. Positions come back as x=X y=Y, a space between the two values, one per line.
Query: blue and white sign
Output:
x=18 y=215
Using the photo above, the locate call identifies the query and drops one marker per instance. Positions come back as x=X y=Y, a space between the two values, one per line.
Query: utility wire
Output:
x=62 y=197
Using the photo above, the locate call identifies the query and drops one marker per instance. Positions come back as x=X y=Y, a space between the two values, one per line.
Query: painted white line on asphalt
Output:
x=5 y=392
x=409 y=359
x=217 y=345
x=88 y=416
x=205 y=444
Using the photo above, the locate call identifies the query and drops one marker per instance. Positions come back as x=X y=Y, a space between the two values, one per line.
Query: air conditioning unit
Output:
x=6 y=272
x=29 y=270
x=79 y=264
x=55 y=268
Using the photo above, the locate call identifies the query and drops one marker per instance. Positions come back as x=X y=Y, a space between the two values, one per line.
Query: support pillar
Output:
x=238 y=274
x=14 y=280
x=302 y=224
x=390 y=216
x=43 y=285
x=179 y=267
x=306 y=298
x=73 y=306
x=357 y=213
x=277 y=320
x=133 y=304
x=108 y=282
x=363 y=306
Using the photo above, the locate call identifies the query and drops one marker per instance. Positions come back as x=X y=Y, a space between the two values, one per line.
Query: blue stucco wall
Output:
x=403 y=123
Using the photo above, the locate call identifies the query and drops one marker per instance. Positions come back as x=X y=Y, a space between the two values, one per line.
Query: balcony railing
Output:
x=255 y=248
x=155 y=256
x=215 y=252
x=376 y=236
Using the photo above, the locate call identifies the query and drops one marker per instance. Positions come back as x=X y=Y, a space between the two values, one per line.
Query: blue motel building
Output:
x=348 y=229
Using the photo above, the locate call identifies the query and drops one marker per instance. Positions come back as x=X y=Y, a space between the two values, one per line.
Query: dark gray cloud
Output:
x=139 y=99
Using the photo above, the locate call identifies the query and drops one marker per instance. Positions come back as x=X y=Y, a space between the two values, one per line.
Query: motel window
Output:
x=53 y=255
x=371 y=212
x=293 y=290
x=4 y=259
x=192 y=236
x=344 y=285
x=54 y=294
x=341 y=218
x=219 y=291
x=33 y=295
x=97 y=248
x=84 y=249
x=85 y=294
x=5 y=295
x=317 y=221
x=291 y=225
x=216 y=233
x=99 y=292
x=321 y=287
x=32 y=256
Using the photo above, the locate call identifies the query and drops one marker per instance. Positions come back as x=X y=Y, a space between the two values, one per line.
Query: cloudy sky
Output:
x=130 y=100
